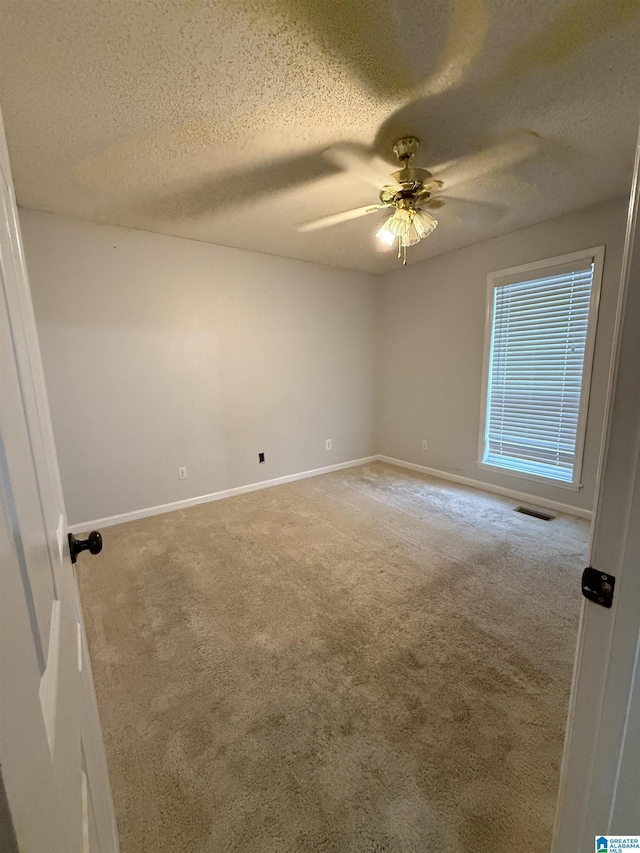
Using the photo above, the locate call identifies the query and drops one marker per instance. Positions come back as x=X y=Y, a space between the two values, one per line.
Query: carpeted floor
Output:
x=366 y=661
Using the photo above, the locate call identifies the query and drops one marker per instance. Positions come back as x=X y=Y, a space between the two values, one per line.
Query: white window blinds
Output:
x=539 y=331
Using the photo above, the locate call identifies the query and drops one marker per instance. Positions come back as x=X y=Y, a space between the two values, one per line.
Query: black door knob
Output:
x=93 y=544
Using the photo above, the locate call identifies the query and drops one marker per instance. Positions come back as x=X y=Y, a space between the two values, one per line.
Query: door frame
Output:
x=592 y=794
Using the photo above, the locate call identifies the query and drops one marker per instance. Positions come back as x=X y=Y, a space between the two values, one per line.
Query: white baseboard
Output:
x=522 y=497
x=110 y=520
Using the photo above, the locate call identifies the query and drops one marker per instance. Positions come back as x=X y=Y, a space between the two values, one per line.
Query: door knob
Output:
x=93 y=544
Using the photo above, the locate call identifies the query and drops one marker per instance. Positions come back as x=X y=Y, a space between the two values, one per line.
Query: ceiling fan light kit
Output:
x=408 y=225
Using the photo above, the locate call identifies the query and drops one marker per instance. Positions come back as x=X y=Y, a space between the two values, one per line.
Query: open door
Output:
x=54 y=788
x=600 y=783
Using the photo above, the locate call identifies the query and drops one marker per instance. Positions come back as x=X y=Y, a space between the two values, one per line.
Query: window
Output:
x=538 y=351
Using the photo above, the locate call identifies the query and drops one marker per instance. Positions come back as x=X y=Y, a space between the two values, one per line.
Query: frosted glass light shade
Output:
x=424 y=223
x=408 y=226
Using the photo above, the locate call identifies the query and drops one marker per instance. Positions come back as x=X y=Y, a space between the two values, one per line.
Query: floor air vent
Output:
x=535 y=513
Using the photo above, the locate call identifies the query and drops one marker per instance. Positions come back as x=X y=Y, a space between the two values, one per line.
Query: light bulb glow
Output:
x=386 y=235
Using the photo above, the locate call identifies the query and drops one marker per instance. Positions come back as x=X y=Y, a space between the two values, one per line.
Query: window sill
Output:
x=547 y=481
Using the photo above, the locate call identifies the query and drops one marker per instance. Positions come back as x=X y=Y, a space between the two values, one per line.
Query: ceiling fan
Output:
x=413 y=192
x=410 y=194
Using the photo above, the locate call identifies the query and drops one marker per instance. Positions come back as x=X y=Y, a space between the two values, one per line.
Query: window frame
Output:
x=597 y=254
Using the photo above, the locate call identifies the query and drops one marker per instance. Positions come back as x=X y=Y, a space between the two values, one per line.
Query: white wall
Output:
x=161 y=352
x=430 y=347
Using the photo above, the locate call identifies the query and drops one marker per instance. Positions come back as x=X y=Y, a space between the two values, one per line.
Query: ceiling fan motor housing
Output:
x=411 y=183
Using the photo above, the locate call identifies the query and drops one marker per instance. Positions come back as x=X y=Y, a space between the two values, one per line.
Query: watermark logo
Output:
x=617 y=843
x=602 y=845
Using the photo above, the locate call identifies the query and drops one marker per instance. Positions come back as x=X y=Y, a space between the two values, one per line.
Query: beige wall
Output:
x=161 y=352
x=430 y=347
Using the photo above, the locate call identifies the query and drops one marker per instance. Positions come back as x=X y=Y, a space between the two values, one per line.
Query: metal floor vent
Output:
x=535 y=513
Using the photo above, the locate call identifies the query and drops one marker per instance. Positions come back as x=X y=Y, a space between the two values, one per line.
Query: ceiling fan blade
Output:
x=357 y=159
x=503 y=155
x=337 y=218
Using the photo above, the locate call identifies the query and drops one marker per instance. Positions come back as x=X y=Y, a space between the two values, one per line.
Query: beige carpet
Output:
x=366 y=661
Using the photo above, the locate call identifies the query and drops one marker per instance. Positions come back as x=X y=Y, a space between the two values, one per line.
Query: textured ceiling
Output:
x=206 y=119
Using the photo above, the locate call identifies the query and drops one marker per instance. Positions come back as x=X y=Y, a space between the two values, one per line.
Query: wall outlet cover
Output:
x=328 y=444
x=182 y=473
x=425 y=444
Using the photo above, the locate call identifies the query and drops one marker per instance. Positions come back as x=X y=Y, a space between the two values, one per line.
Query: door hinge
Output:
x=598 y=586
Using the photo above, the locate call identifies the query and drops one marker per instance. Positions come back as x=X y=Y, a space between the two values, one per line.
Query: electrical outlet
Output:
x=425 y=445
x=328 y=444
x=261 y=458
x=182 y=473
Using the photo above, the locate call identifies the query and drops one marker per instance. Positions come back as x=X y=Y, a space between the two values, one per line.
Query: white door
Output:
x=54 y=789
x=600 y=785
